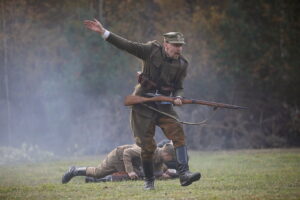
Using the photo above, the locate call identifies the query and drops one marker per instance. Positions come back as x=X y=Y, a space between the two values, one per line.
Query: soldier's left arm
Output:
x=140 y=50
x=128 y=156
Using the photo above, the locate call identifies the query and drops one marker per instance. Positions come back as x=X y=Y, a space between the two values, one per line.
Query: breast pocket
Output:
x=154 y=69
x=169 y=73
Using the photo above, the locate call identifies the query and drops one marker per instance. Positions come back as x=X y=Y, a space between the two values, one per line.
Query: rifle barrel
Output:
x=131 y=100
x=213 y=104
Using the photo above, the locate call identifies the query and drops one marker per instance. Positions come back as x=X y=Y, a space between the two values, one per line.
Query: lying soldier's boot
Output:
x=185 y=176
x=149 y=176
x=89 y=179
x=73 y=171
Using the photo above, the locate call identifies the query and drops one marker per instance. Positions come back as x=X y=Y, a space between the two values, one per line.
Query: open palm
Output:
x=94 y=25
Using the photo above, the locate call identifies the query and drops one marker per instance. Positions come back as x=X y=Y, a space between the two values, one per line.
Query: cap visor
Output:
x=176 y=42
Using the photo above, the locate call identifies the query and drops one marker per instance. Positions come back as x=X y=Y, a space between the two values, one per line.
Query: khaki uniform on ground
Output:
x=124 y=158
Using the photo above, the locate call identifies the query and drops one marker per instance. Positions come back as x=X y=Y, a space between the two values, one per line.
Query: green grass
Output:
x=247 y=174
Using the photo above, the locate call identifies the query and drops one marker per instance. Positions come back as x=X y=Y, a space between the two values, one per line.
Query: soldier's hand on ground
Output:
x=133 y=175
x=94 y=25
x=178 y=102
x=165 y=176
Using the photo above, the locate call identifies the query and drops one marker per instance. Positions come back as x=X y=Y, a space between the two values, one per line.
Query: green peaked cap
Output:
x=174 y=38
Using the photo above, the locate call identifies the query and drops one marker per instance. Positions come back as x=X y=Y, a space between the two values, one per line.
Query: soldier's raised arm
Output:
x=140 y=50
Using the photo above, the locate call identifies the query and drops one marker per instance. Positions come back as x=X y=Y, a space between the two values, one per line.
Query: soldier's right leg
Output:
x=106 y=167
x=147 y=151
x=144 y=138
x=102 y=170
x=73 y=171
x=98 y=174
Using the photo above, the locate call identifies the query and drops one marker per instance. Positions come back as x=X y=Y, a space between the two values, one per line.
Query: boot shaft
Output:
x=149 y=175
x=80 y=171
x=148 y=169
x=73 y=171
x=182 y=159
x=185 y=176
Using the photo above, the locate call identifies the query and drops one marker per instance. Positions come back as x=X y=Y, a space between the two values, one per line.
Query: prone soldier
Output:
x=122 y=159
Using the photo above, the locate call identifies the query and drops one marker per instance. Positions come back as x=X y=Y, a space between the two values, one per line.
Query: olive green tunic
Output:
x=164 y=71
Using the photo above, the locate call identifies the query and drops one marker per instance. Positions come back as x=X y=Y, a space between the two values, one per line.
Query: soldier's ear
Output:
x=167 y=47
x=165 y=44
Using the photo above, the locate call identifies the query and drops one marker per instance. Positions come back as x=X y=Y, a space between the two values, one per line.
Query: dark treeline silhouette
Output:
x=62 y=87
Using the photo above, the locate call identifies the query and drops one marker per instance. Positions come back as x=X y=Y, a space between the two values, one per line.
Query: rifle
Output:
x=132 y=100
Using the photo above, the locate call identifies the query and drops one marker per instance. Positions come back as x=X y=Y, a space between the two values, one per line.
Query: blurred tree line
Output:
x=62 y=86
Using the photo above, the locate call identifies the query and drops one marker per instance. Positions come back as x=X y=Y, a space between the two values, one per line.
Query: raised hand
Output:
x=94 y=25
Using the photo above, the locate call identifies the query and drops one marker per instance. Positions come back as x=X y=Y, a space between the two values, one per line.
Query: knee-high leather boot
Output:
x=149 y=176
x=73 y=171
x=186 y=177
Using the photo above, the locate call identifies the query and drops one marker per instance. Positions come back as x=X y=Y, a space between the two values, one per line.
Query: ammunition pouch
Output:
x=151 y=86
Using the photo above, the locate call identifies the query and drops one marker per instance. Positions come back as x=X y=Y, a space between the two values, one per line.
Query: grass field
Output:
x=246 y=174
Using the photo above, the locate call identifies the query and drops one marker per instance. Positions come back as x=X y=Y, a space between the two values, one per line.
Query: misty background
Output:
x=62 y=87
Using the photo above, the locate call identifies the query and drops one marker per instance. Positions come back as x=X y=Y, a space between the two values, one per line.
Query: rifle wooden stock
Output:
x=131 y=100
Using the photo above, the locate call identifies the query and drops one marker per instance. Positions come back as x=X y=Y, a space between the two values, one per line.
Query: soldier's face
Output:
x=173 y=50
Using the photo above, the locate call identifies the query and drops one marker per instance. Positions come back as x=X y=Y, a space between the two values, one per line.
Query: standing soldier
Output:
x=163 y=72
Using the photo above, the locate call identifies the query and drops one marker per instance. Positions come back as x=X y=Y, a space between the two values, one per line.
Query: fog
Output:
x=58 y=117
x=62 y=86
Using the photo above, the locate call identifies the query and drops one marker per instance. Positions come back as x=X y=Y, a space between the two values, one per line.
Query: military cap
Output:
x=168 y=148
x=174 y=38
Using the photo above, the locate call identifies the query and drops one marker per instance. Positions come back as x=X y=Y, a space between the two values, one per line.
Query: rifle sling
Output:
x=178 y=120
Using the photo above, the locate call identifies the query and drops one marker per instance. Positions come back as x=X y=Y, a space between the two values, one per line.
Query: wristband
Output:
x=105 y=34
